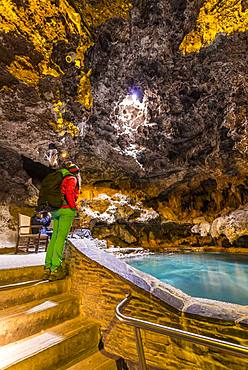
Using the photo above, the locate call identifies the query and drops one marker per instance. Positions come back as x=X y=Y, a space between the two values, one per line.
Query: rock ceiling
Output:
x=145 y=94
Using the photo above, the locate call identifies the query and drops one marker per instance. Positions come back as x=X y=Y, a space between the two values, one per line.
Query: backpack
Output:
x=50 y=196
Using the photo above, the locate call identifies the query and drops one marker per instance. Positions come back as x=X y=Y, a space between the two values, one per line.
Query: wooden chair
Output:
x=25 y=234
x=75 y=225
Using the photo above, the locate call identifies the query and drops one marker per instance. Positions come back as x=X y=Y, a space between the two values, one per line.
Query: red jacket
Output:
x=69 y=188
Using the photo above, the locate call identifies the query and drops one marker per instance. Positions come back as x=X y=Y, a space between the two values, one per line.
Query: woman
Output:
x=62 y=221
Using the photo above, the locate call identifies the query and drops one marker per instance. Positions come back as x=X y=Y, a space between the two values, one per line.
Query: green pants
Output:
x=62 y=221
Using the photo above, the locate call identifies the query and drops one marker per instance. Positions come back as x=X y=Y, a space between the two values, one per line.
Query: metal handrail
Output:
x=138 y=324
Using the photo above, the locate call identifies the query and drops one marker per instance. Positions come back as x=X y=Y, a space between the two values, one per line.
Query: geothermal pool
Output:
x=222 y=277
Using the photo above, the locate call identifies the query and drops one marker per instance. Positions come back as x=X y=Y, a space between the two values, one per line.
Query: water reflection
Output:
x=221 y=277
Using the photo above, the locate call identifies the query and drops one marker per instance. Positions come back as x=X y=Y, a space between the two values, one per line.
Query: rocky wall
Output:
x=127 y=218
x=18 y=195
x=101 y=281
x=73 y=79
x=149 y=97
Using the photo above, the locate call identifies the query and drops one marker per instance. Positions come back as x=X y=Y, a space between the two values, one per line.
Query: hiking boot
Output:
x=58 y=274
x=46 y=273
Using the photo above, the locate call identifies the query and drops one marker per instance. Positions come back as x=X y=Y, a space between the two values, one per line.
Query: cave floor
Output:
x=21 y=260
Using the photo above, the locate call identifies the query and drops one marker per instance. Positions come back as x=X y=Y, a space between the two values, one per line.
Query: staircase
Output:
x=40 y=325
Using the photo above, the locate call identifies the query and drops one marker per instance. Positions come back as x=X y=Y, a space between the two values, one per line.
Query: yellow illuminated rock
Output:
x=84 y=91
x=22 y=69
x=45 y=70
x=43 y=24
x=215 y=17
x=61 y=125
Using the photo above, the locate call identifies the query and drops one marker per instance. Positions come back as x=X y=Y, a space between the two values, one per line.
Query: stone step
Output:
x=97 y=361
x=20 y=293
x=20 y=274
x=24 y=320
x=52 y=348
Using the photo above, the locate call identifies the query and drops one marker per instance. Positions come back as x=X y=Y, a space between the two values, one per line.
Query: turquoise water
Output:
x=222 y=277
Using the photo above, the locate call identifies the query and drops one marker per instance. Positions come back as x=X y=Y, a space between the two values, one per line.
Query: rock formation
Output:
x=149 y=97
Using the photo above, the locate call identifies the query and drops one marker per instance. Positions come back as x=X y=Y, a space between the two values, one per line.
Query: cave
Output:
x=142 y=96
x=149 y=99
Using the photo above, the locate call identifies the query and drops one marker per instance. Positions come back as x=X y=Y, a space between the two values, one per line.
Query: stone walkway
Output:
x=12 y=260
x=21 y=260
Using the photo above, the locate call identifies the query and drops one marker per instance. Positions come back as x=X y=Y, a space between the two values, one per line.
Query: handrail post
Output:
x=138 y=324
x=140 y=349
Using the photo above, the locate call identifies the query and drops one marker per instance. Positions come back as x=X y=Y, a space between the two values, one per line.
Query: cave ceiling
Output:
x=152 y=91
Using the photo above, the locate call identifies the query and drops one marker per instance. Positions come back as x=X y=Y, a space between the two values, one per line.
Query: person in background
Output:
x=42 y=219
x=62 y=221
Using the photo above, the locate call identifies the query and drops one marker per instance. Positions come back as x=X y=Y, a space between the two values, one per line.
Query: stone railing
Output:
x=101 y=281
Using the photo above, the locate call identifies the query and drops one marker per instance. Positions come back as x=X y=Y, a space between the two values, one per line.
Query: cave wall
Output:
x=149 y=97
x=18 y=194
x=127 y=218
x=194 y=111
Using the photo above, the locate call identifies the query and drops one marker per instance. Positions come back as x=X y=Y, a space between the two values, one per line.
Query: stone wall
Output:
x=101 y=281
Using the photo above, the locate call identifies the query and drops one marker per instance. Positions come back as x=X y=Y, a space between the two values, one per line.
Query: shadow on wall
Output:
x=35 y=170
